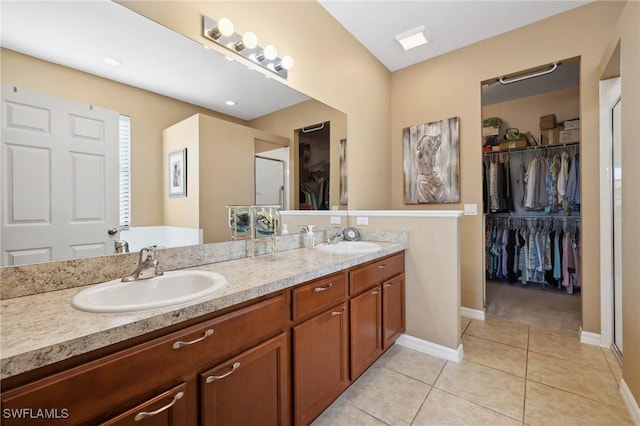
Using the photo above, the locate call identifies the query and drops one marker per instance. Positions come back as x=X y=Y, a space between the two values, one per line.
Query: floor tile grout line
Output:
x=365 y=412
x=573 y=360
x=575 y=394
x=526 y=373
x=495 y=341
x=413 y=419
x=476 y=403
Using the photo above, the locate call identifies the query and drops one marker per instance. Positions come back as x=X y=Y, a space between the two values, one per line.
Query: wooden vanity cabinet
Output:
x=279 y=361
x=365 y=330
x=249 y=389
x=166 y=409
x=376 y=309
x=320 y=345
x=393 y=310
x=121 y=381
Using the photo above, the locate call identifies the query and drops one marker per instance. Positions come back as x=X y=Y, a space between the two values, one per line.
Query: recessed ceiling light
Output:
x=412 y=38
x=231 y=103
x=112 y=61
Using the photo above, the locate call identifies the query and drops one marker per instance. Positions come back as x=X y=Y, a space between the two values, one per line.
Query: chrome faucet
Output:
x=147 y=266
x=334 y=235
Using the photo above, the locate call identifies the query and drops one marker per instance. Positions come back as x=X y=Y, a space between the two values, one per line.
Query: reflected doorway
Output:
x=314 y=151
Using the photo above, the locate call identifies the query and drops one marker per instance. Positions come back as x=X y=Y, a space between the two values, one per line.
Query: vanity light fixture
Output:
x=265 y=59
x=413 y=38
x=249 y=41
x=224 y=28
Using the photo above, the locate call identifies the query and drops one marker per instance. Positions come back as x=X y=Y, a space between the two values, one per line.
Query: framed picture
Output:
x=431 y=162
x=178 y=173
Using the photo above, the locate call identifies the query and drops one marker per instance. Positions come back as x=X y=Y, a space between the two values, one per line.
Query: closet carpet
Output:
x=545 y=308
x=513 y=373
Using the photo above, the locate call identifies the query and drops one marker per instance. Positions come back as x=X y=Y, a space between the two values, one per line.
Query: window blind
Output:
x=125 y=171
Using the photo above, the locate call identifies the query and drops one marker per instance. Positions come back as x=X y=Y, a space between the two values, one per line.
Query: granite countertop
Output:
x=42 y=329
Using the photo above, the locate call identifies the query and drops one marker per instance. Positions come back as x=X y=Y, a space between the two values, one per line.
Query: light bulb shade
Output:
x=225 y=27
x=287 y=63
x=250 y=40
x=270 y=52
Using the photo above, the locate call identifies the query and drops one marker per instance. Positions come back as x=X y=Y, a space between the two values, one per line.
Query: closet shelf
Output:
x=533 y=148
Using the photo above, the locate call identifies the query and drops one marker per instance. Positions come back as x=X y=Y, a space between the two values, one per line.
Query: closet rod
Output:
x=554 y=66
x=533 y=148
x=312 y=128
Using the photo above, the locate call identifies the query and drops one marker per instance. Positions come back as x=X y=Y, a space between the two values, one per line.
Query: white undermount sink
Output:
x=171 y=288
x=350 y=247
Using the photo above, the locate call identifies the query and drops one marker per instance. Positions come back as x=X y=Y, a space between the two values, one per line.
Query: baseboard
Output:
x=630 y=402
x=430 y=348
x=589 y=338
x=472 y=313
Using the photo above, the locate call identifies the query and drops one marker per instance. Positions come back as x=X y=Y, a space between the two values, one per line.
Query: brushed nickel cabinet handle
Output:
x=234 y=367
x=144 y=414
x=384 y=265
x=179 y=344
x=340 y=312
x=375 y=292
x=388 y=284
x=323 y=288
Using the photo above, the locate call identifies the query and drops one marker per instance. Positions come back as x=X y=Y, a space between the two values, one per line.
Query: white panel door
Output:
x=59 y=178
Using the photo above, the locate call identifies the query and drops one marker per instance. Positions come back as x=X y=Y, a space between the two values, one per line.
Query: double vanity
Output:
x=276 y=345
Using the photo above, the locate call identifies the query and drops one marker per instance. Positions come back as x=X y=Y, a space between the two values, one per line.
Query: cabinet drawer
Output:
x=374 y=273
x=91 y=389
x=168 y=408
x=318 y=295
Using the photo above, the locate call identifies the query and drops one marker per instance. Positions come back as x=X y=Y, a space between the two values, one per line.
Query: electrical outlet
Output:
x=335 y=220
x=471 y=209
x=362 y=220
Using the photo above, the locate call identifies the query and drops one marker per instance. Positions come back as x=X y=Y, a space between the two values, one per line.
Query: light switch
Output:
x=362 y=220
x=471 y=209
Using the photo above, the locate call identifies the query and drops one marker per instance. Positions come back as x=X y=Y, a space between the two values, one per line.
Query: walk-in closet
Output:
x=314 y=148
x=531 y=197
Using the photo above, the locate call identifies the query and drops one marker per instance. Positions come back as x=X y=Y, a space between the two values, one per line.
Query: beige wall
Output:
x=308 y=113
x=183 y=211
x=628 y=34
x=330 y=66
x=150 y=114
x=432 y=292
x=220 y=172
x=524 y=114
x=450 y=86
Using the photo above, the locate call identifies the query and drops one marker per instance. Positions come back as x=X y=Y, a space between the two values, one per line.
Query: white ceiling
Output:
x=451 y=24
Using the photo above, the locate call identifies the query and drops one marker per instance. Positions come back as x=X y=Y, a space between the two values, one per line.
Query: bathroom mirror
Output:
x=48 y=47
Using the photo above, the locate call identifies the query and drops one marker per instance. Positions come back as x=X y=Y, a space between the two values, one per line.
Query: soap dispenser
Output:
x=309 y=238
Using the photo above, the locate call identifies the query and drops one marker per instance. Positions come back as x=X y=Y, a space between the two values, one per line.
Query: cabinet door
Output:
x=393 y=321
x=319 y=362
x=250 y=389
x=166 y=409
x=365 y=331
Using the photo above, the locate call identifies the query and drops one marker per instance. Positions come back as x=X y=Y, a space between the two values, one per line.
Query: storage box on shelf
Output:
x=548 y=122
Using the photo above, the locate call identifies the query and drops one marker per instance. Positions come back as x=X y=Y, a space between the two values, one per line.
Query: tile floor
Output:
x=512 y=374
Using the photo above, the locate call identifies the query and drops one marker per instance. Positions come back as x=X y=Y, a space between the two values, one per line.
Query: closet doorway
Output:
x=531 y=166
x=314 y=151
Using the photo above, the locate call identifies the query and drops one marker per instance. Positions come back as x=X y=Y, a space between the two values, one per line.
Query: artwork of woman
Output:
x=431 y=159
x=430 y=185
